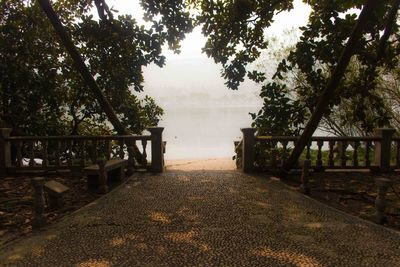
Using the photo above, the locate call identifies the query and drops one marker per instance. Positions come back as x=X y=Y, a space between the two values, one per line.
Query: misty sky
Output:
x=192 y=71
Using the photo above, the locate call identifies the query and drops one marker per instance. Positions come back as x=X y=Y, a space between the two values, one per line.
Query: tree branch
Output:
x=332 y=85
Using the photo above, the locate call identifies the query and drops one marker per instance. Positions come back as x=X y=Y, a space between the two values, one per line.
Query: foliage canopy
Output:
x=358 y=106
x=42 y=94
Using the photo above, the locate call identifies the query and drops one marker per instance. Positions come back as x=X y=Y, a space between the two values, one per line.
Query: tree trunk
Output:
x=84 y=71
x=332 y=85
x=391 y=21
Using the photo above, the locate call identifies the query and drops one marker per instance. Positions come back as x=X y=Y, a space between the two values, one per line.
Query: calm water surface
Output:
x=203 y=132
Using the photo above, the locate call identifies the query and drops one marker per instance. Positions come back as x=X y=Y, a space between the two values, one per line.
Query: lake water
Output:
x=206 y=132
x=203 y=132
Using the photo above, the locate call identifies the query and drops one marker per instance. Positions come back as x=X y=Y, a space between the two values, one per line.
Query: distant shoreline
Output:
x=205 y=106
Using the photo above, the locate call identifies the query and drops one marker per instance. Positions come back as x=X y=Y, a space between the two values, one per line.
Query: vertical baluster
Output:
x=274 y=144
x=308 y=154
x=274 y=153
x=64 y=151
x=343 y=154
x=63 y=154
x=68 y=152
x=284 y=152
x=31 y=154
x=131 y=160
x=95 y=151
x=58 y=153
x=355 y=153
x=367 y=150
x=121 y=149
x=320 y=143
x=107 y=149
x=133 y=143
x=82 y=153
x=331 y=162
x=45 y=155
x=144 y=154
x=19 y=153
x=398 y=153
x=297 y=164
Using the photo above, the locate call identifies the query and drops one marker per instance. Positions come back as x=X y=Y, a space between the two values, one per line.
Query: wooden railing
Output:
x=27 y=153
x=379 y=152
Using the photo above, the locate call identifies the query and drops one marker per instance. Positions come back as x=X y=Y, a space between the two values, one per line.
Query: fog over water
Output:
x=202 y=116
x=203 y=132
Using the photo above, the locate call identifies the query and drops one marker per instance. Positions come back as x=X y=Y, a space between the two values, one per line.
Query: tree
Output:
x=283 y=111
x=360 y=30
x=333 y=35
x=342 y=119
x=280 y=114
x=355 y=114
x=235 y=31
x=114 y=48
x=32 y=92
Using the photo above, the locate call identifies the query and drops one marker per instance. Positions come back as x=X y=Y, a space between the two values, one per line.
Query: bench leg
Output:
x=56 y=202
x=122 y=173
x=103 y=179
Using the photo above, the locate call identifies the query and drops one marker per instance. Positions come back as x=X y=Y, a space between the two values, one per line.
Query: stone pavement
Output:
x=206 y=218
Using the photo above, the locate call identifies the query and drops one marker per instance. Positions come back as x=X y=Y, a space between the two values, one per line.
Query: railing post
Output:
x=5 y=151
x=305 y=176
x=39 y=219
x=131 y=158
x=157 y=154
x=248 y=151
x=383 y=148
x=238 y=151
x=380 y=201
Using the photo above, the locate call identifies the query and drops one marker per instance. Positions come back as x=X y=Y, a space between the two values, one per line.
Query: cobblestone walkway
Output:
x=206 y=218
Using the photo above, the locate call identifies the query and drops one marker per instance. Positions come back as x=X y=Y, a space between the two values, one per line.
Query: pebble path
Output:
x=206 y=218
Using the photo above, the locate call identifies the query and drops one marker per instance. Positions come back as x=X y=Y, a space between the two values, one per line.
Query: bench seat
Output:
x=97 y=174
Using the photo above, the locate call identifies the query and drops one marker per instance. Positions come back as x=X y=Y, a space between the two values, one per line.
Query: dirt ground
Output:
x=16 y=200
x=354 y=193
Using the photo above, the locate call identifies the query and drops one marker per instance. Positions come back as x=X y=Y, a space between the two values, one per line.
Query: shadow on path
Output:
x=204 y=218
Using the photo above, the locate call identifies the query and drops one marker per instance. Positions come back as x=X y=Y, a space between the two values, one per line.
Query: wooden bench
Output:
x=97 y=174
